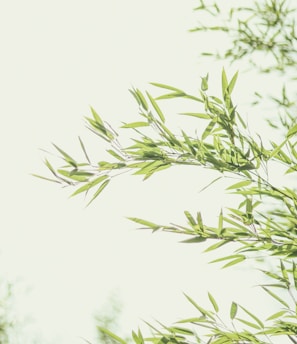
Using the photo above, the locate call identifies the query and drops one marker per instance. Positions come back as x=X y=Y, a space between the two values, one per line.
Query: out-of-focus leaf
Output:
x=84 y=150
x=66 y=156
x=292 y=131
x=45 y=178
x=204 y=83
x=233 y=310
x=145 y=223
x=111 y=335
x=195 y=239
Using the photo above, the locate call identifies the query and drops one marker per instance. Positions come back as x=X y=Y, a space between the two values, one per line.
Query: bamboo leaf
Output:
x=115 y=155
x=216 y=245
x=194 y=240
x=145 y=223
x=96 y=117
x=253 y=316
x=213 y=302
x=276 y=315
x=89 y=185
x=135 y=125
x=66 y=156
x=204 y=83
x=233 y=310
x=167 y=87
x=196 y=114
x=190 y=218
x=156 y=107
x=248 y=323
x=240 y=184
x=45 y=178
x=99 y=190
x=232 y=83
x=199 y=308
x=234 y=261
x=84 y=150
x=208 y=185
x=111 y=335
x=224 y=83
x=276 y=297
x=292 y=131
x=208 y=129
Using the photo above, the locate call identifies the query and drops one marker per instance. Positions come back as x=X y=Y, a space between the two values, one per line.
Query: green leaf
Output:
x=208 y=185
x=135 y=125
x=235 y=261
x=276 y=297
x=84 y=150
x=96 y=117
x=190 y=218
x=138 y=339
x=276 y=315
x=232 y=83
x=196 y=114
x=89 y=185
x=233 y=310
x=66 y=156
x=80 y=177
x=208 y=129
x=48 y=179
x=99 y=190
x=145 y=223
x=199 y=308
x=224 y=83
x=248 y=323
x=199 y=220
x=253 y=316
x=284 y=272
x=204 y=83
x=111 y=335
x=195 y=239
x=115 y=155
x=213 y=302
x=167 y=87
x=156 y=107
x=235 y=258
x=240 y=185
x=142 y=99
x=216 y=245
x=292 y=131
x=50 y=167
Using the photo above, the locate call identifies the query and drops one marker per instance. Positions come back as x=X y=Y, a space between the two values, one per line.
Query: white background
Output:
x=57 y=59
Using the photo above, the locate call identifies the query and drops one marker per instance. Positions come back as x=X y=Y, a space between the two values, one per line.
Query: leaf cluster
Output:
x=264 y=28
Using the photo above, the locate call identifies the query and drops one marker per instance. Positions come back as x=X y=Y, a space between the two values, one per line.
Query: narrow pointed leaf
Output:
x=233 y=310
x=156 y=107
x=213 y=302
